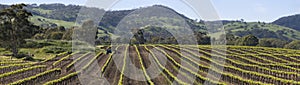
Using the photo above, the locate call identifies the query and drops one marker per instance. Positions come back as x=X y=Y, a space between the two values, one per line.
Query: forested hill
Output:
x=53 y=15
x=50 y=13
x=289 y=21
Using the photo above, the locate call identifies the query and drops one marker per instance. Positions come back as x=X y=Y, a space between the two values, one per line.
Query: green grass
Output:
x=34 y=19
x=3 y=51
x=216 y=35
x=43 y=11
x=38 y=54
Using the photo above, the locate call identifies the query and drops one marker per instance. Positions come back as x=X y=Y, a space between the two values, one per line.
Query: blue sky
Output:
x=249 y=10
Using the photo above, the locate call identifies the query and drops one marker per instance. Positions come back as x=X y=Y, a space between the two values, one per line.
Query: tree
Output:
x=56 y=35
x=230 y=38
x=242 y=20
x=61 y=28
x=15 y=27
x=249 y=40
x=139 y=37
x=293 y=45
x=68 y=34
x=202 y=38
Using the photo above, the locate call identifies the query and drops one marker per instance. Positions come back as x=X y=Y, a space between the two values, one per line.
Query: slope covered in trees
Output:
x=262 y=30
x=289 y=21
x=68 y=13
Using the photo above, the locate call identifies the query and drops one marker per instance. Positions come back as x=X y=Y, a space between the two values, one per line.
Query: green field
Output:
x=39 y=20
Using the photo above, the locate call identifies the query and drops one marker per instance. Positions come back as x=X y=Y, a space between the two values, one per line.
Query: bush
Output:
x=25 y=56
x=39 y=36
x=55 y=35
x=293 y=45
x=21 y=55
x=29 y=58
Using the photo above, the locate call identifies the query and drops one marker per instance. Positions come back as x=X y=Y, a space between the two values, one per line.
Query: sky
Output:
x=249 y=10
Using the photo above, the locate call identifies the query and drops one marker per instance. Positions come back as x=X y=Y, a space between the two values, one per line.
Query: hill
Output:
x=52 y=15
x=262 y=30
x=289 y=21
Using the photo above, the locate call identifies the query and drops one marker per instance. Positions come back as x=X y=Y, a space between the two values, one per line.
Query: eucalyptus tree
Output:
x=15 y=27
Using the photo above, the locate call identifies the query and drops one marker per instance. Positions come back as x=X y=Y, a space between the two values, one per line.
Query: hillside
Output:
x=48 y=22
x=111 y=19
x=262 y=30
x=289 y=21
x=52 y=15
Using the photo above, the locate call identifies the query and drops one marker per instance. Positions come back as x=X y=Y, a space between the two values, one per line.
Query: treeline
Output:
x=159 y=35
x=57 y=33
x=251 y=40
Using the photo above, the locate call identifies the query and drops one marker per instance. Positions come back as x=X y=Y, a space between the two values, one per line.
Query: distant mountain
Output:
x=2 y=6
x=289 y=21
